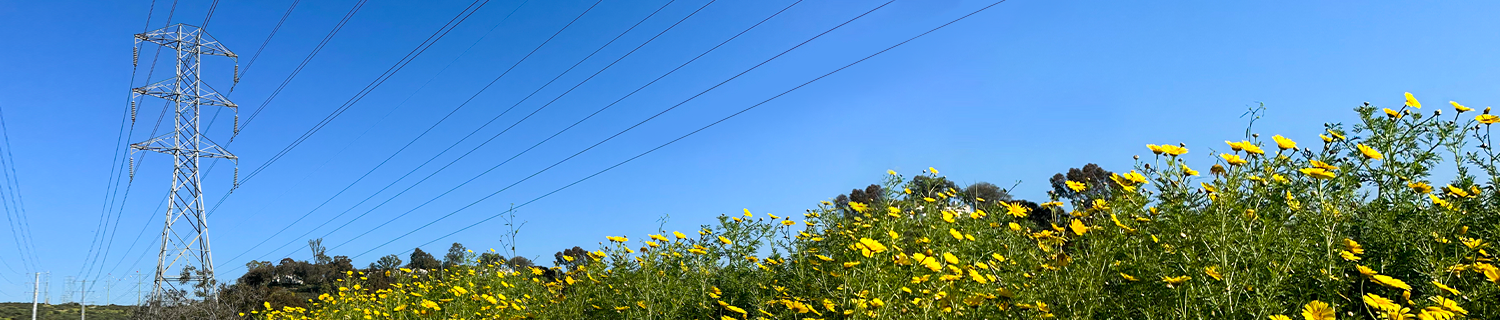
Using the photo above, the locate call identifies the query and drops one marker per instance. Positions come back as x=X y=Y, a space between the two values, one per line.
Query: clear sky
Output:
x=1013 y=94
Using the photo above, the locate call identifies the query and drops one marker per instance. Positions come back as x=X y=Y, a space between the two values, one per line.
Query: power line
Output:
x=13 y=181
x=617 y=101
x=211 y=8
x=497 y=135
x=465 y=138
x=742 y=111
x=138 y=236
x=241 y=73
x=617 y=134
x=112 y=185
x=306 y=60
x=558 y=133
x=263 y=44
x=359 y=96
x=400 y=64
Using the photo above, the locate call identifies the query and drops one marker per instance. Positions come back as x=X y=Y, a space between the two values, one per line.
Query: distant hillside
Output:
x=22 y=311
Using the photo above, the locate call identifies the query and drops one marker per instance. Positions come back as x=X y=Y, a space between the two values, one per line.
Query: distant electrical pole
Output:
x=82 y=292
x=138 y=288
x=67 y=290
x=35 y=288
x=187 y=244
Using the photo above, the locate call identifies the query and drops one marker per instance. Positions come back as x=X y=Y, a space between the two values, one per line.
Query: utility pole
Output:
x=138 y=288
x=185 y=256
x=82 y=292
x=68 y=288
x=35 y=288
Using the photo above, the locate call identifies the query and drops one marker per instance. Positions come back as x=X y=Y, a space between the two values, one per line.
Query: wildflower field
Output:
x=1355 y=226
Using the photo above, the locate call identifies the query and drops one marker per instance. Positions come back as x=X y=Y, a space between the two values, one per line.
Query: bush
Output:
x=1358 y=228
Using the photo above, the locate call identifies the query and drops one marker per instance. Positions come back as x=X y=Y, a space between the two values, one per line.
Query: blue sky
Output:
x=1015 y=93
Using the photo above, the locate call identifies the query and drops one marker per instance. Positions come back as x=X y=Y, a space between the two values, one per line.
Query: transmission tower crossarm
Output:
x=186 y=37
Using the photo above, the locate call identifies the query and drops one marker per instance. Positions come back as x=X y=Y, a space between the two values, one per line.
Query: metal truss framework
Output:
x=185 y=256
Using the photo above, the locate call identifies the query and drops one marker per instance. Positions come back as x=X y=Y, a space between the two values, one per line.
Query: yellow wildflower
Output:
x=1173 y=150
x=1017 y=210
x=430 y=305
x=1213 y=271
x=1233 y=159
x=1189 y=171
x=1448 y=304
x=1284 y=143
x=950 y=258
x=1352 y=246
x=1459 y=107
x=1172 y=281
x=1252 y=148
x=1366 y=271
x=1236 y=146
x=1388 y=281
x=1379 y=303
x=1129 y=277
x=869 y=247
x=1445 y=287
x=1319 y=173
x=1348 y=256
x=734 y=309
x=1487 y=118
x=725 y=240
x=1078 y=227
x=1412 y=101
x=1317 y=310
x=1392 y=113
x=955 y=234
x=1369 y=153
x=617 y=239
x=1419 y=186
x=1076 y=186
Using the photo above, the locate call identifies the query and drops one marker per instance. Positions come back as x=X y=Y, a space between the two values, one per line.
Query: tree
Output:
x=421 y=260
x=388 y=262
x=1095 y=179
x=457 y=256
x=990 y=193
x=490 y=258
x=519 y=262
x=870 y=194
x=320 y=254
x=924 y=186
x=578 y=255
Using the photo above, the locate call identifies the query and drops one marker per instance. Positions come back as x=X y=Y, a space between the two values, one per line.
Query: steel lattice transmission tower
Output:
x=185 y=256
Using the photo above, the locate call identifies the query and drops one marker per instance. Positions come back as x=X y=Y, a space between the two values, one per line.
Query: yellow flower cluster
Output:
x=1335 y=230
